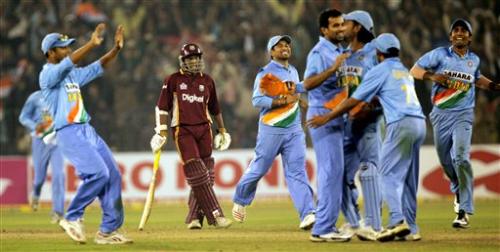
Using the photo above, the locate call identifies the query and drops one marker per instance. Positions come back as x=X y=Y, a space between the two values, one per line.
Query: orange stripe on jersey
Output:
x=337 y=99
x=443 y=94
x=74 y=111
x=277 y=112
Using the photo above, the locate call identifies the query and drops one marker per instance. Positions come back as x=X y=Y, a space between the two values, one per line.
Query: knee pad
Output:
x=196 y=173
x=210 y=163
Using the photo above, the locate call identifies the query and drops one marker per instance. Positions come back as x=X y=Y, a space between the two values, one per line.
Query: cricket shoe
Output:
x=349 y=230
x=330 y=237
x=308 y=222
x=462 y=220
x=35 y=203
x=114 y=237
x=74 y=229
x=55 y=218
x=410 y=237
x=239 y=213
x=366 y=234
x=389 y=234
x=222 y=222
x=194 y=224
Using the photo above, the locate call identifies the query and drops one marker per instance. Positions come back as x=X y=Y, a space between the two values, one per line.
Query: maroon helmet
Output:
x=190 y=49
x=193 y=65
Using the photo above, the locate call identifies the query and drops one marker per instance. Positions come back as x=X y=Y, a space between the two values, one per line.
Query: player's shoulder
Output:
x=474 y=56
x=207 y=76
x=441 y=50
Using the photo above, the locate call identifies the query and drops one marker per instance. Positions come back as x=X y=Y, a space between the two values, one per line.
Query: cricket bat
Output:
x=151 y=193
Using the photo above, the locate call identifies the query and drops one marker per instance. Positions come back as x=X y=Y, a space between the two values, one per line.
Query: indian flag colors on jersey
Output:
x=77 y=113
x=448 y=98
x=281 y=116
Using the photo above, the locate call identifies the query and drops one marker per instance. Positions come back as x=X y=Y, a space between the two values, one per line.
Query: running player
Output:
x=280 y=133
x=37 y=119
x=454 y=72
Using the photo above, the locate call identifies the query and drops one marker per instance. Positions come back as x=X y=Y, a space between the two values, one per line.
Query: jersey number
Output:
x=411 y=96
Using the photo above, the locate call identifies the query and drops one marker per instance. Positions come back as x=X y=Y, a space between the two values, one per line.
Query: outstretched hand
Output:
x=97 y=35
x=317 y=121
x=119 y=37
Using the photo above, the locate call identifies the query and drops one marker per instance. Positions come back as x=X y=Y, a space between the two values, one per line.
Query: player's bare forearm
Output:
x=285 y=100
x=316 y=80
x=95 y=40
x=417 y=72
x=487 y=84
x=219 y=121
x=342 y=108
x=111 y=55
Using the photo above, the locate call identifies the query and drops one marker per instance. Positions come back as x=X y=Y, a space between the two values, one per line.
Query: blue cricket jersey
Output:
x=280 y=120
x=463 y=73
x=356 y=66
x=321 y=57
x=60 y=84
x=34 y=112
x=392 y=83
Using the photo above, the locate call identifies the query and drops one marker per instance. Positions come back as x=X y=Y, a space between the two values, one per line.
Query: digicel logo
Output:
x=437 y=181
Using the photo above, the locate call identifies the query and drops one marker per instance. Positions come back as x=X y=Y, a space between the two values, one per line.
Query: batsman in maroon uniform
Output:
x=189 y=97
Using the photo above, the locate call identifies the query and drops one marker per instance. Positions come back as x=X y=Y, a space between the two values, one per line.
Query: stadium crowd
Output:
x=232 y=35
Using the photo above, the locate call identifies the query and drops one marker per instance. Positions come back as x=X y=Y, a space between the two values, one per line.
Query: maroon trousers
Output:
x=194 y=143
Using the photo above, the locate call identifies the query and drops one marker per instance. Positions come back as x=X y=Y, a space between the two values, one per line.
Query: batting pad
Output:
x=194 y=208
x=197 y=177
x=368 y=176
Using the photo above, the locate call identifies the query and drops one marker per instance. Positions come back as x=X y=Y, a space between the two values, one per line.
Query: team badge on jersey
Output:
x=470 y=64
x=183 y=86
x=201 y=88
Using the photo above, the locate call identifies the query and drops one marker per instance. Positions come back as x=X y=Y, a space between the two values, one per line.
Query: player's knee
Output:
x=461 y=162
x=196 y=172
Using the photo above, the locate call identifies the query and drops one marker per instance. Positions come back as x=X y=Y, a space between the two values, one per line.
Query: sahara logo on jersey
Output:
x=192 y=98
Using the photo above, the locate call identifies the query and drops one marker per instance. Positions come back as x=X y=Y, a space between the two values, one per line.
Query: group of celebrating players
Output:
x=353 y=92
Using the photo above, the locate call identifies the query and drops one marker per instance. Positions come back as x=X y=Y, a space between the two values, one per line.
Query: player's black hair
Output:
x=391 y=53
x=364 y=36
x=325 y=15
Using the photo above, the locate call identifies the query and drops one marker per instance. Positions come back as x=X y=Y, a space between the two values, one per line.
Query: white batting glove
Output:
x=157 y=142
x=222 y=140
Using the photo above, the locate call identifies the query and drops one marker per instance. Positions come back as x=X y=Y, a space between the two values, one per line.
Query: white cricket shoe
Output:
x=462 y=220
x=366 y=234
x=330 y=237
x=239 y=213
x=401 y=229
x=194 y=224
x=74 y=229
x=410 y=237
x=308 y=222
x=222 y=222
x=347 y=229
x=112 y=238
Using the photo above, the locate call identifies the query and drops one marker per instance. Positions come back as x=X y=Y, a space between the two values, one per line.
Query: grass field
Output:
x=272 y=225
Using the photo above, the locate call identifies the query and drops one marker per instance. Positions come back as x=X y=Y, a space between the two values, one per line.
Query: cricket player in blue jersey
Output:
x=36 y=118
x=405 y=132
x=60 y=82
x=320 y=79
x=362 y=138
x=454 y=72
x=275 y=92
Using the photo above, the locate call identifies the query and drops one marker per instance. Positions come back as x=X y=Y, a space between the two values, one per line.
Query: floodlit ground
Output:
x=272 y=225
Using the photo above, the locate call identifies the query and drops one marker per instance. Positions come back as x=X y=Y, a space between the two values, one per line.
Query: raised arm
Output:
x=110 y=55
x=95 y=40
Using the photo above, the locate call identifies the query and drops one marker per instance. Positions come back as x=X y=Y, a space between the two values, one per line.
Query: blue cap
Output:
x=385 y=41
x=361 y=17
x=462 y=22
x=275 y=39
x=52 y=40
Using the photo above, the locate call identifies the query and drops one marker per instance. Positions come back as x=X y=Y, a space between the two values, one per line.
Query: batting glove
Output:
x=222 y=140
x=157 y=142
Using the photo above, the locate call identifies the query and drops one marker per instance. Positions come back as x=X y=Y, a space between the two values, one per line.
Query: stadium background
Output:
x=232 y=35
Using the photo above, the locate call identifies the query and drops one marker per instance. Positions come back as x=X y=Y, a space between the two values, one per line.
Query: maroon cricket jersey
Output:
x=189 y=98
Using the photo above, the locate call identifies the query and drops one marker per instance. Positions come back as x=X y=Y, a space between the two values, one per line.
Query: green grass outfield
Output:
x=272 y=225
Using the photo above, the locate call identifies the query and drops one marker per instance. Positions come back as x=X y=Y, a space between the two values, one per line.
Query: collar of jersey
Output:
x=466 y=55
x=329 y=44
